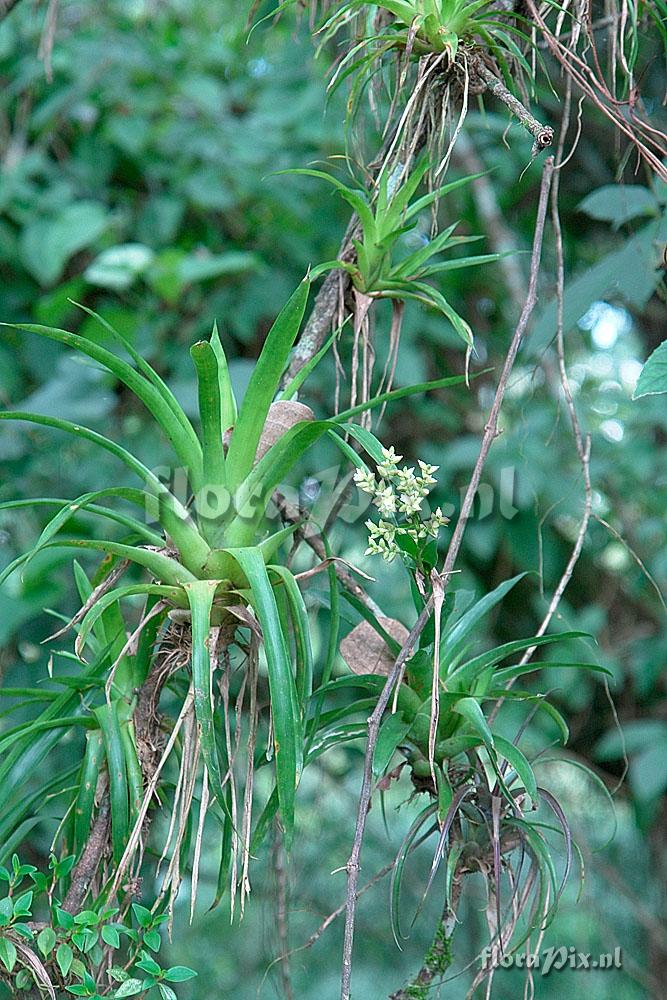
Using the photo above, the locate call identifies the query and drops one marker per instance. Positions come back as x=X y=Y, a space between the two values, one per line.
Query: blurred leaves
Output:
x=653 y=378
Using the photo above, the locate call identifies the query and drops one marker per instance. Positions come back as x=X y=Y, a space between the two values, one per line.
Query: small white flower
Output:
x=410 y=503
x=385 y=501
x=365 y=481
x=435 y=522
x=405 y=480
x=428 y=470
x=388 y=530
x=388 y=467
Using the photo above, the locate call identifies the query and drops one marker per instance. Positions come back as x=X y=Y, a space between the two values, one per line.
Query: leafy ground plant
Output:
x=87 y=954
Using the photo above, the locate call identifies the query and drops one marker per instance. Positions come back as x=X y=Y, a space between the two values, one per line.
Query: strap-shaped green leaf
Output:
x=474 y=716
x=200 y=595
x=410 y=390
x=254 y=494
x=85 y=799
x=517 y=759
x=463 y=675
x=210 y=413
x=287 y=723
x=263 y=386
x=301 y=627
x=173 y=516
x=175 y=595
x=84 y=504
x=457 y=635
x=162 y=567
x=509 y=673
x=228 y=412
x=176 y=428
x=107 y=718
x=28 y=728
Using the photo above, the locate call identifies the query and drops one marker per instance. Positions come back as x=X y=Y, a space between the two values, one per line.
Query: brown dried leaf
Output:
x=282 y=415
x=366 y=652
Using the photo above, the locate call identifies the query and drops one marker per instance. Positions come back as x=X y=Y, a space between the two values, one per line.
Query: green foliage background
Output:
x=140 y=181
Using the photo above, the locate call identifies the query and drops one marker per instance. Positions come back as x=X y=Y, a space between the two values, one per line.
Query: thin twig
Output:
x=650 y=143
x=542 y=134
x=490 y=433
x=583 y=444
x=310 y=536
x=326 y=923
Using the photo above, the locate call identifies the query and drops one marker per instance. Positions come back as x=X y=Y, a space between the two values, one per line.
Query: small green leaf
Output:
x=87 y=917
x=152 y=940
x=143 y=916
x=148 y=965
x=7 y=953
x=23 y=904
x=64 y=919
x=179 y=974
x=46 y=940
x=111 y=936
x=166 y=992
x=653 y=376
x=64 y=956
x=6 y=911
x=129 y=988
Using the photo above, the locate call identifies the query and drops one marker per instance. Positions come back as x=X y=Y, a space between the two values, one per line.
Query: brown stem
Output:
x=310 y=536
x=86 y=867
x=148 y=742
x=582 y=443
x=542 y=134
x=281 y=915
x=490 y=433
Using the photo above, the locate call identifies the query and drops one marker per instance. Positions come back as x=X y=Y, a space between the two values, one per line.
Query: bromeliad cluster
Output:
x=399 y=494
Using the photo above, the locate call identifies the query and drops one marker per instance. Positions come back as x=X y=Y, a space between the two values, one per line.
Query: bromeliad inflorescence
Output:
x=398 y=494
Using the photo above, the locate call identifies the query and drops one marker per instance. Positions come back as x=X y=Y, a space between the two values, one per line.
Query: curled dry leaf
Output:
x=365 y=651
x=282 y=415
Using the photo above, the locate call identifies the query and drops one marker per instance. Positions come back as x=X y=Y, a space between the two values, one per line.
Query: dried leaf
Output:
x=366 y=652
x=282 y=415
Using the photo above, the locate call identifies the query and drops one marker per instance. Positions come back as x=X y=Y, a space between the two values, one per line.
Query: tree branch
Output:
x=86 y=867
x=542 y=134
